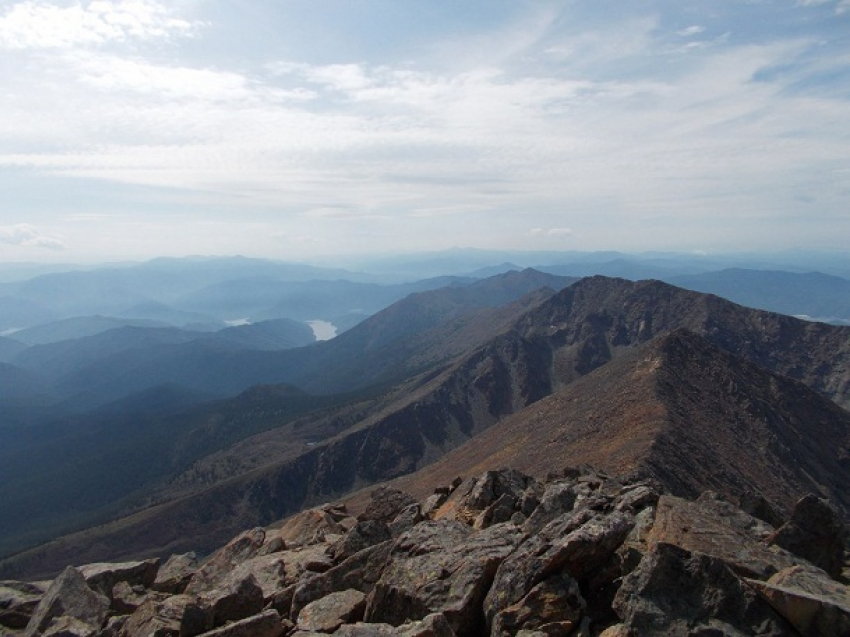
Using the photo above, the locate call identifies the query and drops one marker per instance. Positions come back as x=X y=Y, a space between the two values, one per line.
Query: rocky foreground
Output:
x=501 y=554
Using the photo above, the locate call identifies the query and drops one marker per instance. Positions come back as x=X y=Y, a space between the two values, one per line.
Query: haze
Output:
x=298 y=130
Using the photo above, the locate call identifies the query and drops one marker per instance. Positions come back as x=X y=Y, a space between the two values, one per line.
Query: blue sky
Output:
x=296 y=130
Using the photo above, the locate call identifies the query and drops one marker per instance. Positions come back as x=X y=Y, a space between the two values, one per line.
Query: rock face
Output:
x=580 y=554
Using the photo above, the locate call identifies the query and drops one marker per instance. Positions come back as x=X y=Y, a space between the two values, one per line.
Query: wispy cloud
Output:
x=25 y=235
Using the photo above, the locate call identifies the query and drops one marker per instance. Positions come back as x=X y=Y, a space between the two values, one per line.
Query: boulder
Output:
x=577 y=543
x=265 y=624
x=175 y=616
x=723 y=532
x=475 y=496
x=441 y=566
x=310 y=527
x=678 y=592
x=408 y=518
x=809 y=599
x=18 y=601
x=554 y=602
x=365 y=533
x=175 y=574
x=433 y=625
x=360 y=572
x=327 y=614
x=816 y=533
x=386 y=504
x=103 y=576
x=241 y=598
x=220 y=566
x=126 y=599
x=68 y=597
x=558 y=498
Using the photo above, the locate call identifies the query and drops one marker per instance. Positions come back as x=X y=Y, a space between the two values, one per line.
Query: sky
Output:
x=298 y=130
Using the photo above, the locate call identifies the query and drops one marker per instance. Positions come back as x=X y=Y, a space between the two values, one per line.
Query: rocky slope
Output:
x=500 y=553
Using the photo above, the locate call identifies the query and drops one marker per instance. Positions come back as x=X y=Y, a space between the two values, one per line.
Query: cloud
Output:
x=551 y=232
x=39 y=24
x=691 y=30
x=25 y=235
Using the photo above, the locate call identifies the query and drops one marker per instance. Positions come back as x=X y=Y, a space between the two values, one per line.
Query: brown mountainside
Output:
x=682 y=411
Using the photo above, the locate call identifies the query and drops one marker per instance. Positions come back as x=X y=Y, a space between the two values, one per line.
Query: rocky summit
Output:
x=502 y=553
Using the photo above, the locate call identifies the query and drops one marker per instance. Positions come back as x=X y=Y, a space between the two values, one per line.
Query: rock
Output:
x=360 y=572
x=554 y=601
x=310 y=527
x=18 y=601
x=432 y=503
x=68 y=597
x=102 y=577
x=816 y=533
x=175 y=616
x=441 y=566
x=408 y=518
x=327 y=614
x=474 y=496
x=812 y=602
x=266 y=624
x=558 y=498
x=502 y=510
x=433 y=625
x=576 y=543
x=386 y=504
x=126 y=599
x=242 y=598
x=677 y=592
x=220 y=566
x=365 y=533
x=617 y=630
x=175 y=574
x=720 y=531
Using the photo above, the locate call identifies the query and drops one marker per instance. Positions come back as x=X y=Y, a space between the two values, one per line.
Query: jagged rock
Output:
x=103 y=576
x=408 y=518
x=432 y=504
x=719 y=531
x=617 y=630
x=433 y=625
x=219 y=567
x=677 y=592
x=272 y=544
x=816 y=533
x=474 y=496
x=576 y=544
x=126 y=599
x=441 y=566
x=241 y=599
x=636 y=497
x=365 y=533
x=558 y=498
x=327 y=614
x=360 y=572
x=175 y=574
x=114 y=625
x=175 y=616
x=502 y=510
x=265 y=624
x=556 y=601
x=812 y=602
x=386 y=504
x=68 y=597
x=18 y=600
x=310 y=527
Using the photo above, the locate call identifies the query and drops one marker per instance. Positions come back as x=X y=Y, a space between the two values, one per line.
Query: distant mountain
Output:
x=9 y=348
x=625 y=385
x=77 y=327
x=816 y=295
x=273 y=335
x=24 y=398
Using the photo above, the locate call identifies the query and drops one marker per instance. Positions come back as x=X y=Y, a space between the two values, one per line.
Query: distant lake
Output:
x=322 y=330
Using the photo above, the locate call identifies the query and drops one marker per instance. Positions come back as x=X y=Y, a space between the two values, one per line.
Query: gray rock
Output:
x=126 y=599
x=676 y=592
x=408 y=518
x=18 y=601
x=558 y=498
x=386 y=504
x=554 y=605
x=218 y=569
x=816 y=533
x=102 y=577
x=175 y=616
x=327 y=614
x=310 y=527
x=441 y=566
x=360 y=572
x=242 y=598
x=809 y=599
x=68 y=597
x=365 y=533
x=576 y=543
x=175 y=574
x=265 y=624
x=433 y=625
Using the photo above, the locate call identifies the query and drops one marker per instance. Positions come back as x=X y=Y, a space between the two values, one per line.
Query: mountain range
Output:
x=523 y=369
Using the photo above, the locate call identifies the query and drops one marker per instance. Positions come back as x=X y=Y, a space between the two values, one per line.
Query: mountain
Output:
x=77 y=327
x=683 y=412
x=9 y=348
x=730 y=376
x=273 y=335
x=812 y=294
